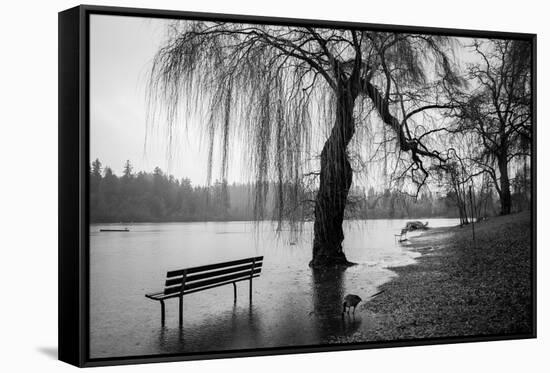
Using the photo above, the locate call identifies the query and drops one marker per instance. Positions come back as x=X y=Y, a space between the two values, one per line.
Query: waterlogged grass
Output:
x=457 y=288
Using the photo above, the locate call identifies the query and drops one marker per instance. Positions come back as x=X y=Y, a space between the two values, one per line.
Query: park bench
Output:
x=191 y=280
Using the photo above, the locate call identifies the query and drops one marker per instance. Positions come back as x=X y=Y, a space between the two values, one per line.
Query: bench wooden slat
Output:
x=220 y=284
x=162 y=296
x=208 y=267
x=156 y=295
x=177 y=280
x=198 y=284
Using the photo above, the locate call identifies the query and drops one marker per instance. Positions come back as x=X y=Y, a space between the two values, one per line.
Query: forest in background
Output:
x=159 y=197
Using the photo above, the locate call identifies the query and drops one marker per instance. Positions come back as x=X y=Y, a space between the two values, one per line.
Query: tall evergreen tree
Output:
x=127 y=173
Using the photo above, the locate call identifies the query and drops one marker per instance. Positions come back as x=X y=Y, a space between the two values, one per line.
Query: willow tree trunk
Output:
x=335 y=181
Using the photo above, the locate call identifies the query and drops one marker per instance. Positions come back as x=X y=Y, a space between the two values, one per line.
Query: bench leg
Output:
x=162 y=312
x=181 y=311
x=250 y=290
x=234 y=292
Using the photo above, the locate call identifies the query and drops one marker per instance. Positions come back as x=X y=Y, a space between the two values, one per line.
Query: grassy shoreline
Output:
x=456 y=288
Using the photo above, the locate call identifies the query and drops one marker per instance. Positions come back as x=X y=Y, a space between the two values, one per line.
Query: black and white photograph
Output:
x=263 y=185
x=275 y=186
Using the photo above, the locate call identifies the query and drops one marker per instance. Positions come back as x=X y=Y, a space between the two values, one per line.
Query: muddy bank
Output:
x=457 y=288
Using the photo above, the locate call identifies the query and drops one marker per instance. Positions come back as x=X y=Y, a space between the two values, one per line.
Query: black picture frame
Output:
x=74 y=159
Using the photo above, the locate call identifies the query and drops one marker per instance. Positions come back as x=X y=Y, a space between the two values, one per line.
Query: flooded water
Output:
x=292 y=305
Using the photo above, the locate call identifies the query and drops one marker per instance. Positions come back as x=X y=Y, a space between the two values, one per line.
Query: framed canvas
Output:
x=234 y=186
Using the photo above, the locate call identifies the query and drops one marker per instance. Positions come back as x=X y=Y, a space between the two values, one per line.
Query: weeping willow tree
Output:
x=275 y=87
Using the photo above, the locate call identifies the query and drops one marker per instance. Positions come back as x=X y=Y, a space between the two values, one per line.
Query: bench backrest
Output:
x=208 y=276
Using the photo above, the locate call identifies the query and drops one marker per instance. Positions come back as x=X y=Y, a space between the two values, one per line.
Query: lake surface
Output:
x=292 y=305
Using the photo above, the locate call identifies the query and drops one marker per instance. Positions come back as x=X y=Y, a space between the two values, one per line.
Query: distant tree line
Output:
x=159 y=197
x=156 y=196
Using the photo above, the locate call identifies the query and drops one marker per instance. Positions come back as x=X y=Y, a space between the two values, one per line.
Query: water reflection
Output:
x=234 y=329
x=328 y=294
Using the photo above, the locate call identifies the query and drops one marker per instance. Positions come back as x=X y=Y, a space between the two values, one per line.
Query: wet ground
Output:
x=292 y=305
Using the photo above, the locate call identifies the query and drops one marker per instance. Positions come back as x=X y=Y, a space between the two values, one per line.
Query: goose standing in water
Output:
x=351 y=300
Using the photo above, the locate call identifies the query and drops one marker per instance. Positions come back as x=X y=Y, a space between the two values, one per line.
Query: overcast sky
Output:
x=121 y=51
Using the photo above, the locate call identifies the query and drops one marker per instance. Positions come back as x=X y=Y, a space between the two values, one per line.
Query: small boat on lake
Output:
x=114 y=230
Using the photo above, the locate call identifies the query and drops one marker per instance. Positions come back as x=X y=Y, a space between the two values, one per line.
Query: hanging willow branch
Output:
x=273 y=90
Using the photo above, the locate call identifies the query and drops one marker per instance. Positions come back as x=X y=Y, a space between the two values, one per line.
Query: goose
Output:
x=350 y=300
